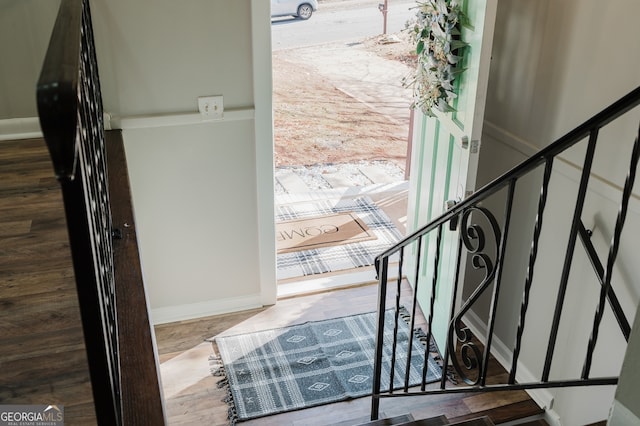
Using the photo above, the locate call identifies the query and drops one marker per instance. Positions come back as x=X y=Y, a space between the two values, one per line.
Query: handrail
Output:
x=57 y=91
x=71 y=117
x=472 y=240
x=601 y=119
x=141 y=390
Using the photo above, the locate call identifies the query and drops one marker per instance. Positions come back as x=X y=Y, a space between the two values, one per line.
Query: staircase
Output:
x=408 y=420
x=480 y=225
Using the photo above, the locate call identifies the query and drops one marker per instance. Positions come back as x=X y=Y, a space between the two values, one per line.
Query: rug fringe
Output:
x=217 y=370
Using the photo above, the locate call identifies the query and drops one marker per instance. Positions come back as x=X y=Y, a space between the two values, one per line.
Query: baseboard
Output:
x=20 y=128
x=29 y=128
x=502 y=353
x=325 y=282
x=600 y=185
x=509 y=139
x=204 y=309
x=621 y=415
x=597 y=184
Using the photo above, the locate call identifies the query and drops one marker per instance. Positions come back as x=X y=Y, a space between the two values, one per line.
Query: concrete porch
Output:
x=382 y=181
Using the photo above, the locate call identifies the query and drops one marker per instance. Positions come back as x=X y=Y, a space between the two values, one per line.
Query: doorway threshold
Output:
x=329 y=282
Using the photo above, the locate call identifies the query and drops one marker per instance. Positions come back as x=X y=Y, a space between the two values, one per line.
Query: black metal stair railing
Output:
x=482 y=242
x=71 y=118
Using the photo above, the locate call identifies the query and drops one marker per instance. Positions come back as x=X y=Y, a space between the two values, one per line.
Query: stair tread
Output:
x=405 y=418
x=431 y=421
x=442 y=420
x=479 y=421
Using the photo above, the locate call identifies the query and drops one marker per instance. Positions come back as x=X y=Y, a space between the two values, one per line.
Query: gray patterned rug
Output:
x=339 y=257
x=311 y=364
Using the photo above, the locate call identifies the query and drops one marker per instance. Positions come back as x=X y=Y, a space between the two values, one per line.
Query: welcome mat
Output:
x=334 y=256
x=315 y=363
x=322 y=231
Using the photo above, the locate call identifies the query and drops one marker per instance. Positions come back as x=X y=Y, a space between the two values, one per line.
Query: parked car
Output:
x=302 y=9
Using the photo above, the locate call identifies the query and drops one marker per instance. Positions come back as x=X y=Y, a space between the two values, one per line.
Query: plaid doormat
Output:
x=315 y=363
x=339 y=257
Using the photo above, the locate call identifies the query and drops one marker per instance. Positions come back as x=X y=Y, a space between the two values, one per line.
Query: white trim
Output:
x=264 y=149
x=503 y=355
x=29 y=128
x=509 y=139
x=366 y=276
x=621 y=415
x=598 y=184
x=553 y=418
x=204 y=309
x=175 y=119
x=20 y=128
x=329 y=283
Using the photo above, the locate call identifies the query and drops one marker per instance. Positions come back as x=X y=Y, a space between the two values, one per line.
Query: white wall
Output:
x=555 y=64
x=159 y=56
x=626 y=410
x=199 y=188
x=203 y=192
x=194 y=194
x=25 y=27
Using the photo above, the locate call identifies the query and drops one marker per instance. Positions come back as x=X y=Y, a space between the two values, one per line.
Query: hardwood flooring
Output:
x=191 y=394
x=42 y=354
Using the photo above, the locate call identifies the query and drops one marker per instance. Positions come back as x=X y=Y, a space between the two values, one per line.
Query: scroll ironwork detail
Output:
x=474 y=238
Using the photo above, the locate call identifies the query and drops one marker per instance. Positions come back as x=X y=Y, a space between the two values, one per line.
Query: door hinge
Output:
x=475 y=146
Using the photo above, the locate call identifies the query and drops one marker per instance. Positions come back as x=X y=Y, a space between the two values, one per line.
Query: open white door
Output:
x=445 y=153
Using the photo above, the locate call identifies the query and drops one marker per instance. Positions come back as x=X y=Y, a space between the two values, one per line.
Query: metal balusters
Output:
x=452 y=312
x=500 y=255
x=96 y=166
x=399 y=280
x=99 y=192
x=377 y=365
x=623 y=322
x=473 y=237
x=462 y=351
x=392 y=367
x=70 y=110
x=613 y=253
x=571 y=245
x=432 y=303
x=533 y=255
x=414 y=305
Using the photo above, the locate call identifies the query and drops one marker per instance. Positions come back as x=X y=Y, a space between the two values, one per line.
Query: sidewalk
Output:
x=372 y=80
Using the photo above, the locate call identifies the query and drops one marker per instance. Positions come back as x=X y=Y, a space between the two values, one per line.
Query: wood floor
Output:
x=42 y=355
x=192 y=396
